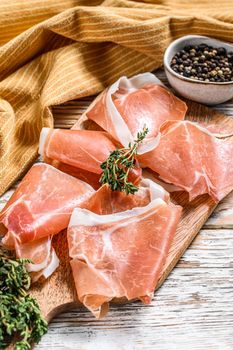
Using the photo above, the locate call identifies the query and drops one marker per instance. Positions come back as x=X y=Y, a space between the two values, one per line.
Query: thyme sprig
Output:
x=116 y=168
x=20 y=316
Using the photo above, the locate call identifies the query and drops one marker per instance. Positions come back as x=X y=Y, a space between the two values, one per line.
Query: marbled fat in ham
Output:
x=42 y=204
x=130 y=104
x=194 y=159
x=40 y=207
x=118 y=248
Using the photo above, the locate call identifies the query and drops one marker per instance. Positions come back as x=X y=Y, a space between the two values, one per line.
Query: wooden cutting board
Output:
x=57 y=293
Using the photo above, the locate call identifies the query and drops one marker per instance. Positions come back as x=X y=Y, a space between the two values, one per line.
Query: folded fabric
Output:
x=78 y=52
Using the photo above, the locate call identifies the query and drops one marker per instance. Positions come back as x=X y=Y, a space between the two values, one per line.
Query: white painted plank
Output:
x=210 y=249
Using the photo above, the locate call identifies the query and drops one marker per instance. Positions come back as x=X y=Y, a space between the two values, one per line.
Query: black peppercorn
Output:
x=186 y=63
x=221 y=51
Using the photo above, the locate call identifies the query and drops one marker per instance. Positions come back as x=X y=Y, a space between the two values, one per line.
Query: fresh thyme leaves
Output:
x=116 y=168
x=20 y=316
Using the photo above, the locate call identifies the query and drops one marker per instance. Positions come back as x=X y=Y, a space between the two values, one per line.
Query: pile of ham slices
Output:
x=118 y=243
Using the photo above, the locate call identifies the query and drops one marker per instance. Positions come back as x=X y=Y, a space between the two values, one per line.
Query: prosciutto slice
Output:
x=192 y=158
x=130 y=104
x=43 y=257
x=41 y=205
x=84 y=149
x=118 y=250
x=80 y=153
x=92 y=179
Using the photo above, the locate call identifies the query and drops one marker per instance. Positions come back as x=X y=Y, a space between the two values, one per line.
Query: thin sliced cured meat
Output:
x=147 y=173
x=92 y=179
x=130 y=104
x=105 y=201
x=121 y=254
x=220 y=128
x=81 y=174
x=42 y=255
x=41 y=205
x=84 y=149
x=193 y=159
x=80 y=152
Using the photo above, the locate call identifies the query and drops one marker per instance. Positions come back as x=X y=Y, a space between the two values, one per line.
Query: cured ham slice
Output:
x=82 y=149
x=105 y=201
x=147 y=173
x=92 y=179
x=80 y=152
x=130 y=104
x=120 y=253
x=42 y=255
x=41 y=205
x=193 y=159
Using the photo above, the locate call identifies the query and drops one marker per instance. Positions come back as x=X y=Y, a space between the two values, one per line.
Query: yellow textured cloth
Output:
x=54 y=51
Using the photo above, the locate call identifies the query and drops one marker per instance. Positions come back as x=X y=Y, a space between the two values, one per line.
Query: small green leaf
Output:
x=117 y=166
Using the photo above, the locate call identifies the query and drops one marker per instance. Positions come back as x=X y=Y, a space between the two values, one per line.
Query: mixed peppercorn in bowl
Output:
x=200 y=68
x=204 y=62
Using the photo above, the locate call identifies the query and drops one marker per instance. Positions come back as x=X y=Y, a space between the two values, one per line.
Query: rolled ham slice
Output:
x=130 y=104
x=41 y=205
x=80 y=153
x=119 y=247
x=193 y=159
x=84 y=149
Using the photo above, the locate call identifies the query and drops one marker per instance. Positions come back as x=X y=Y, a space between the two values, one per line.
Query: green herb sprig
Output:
x=116 y=168
x=20 y=316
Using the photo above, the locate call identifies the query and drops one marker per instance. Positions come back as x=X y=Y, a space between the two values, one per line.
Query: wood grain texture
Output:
x=192 y=310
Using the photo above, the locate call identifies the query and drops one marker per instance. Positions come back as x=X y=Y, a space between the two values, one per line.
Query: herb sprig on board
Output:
x=116 y=168
x=20 y=316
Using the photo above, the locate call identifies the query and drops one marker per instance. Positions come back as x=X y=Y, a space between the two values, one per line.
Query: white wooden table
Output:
x=193 y=310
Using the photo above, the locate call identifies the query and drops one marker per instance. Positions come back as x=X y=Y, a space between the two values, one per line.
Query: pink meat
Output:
x=92 y=179
x=193 y=159
x=41 y=254
x=82 y=149
x=41 y=205
x=130 y=104
x=150 y=106
x=80 y=153
x=120 y=251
